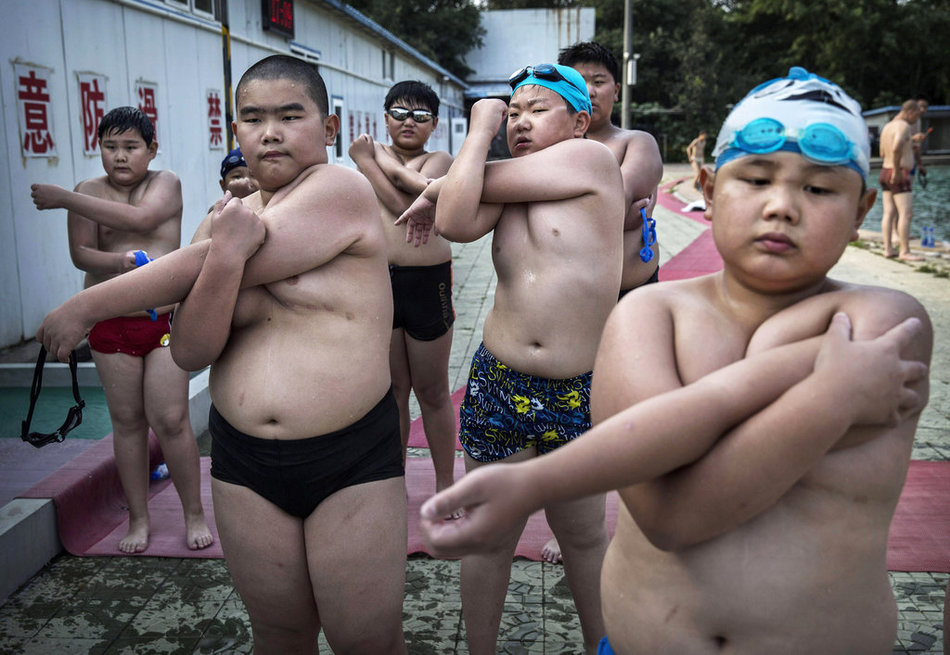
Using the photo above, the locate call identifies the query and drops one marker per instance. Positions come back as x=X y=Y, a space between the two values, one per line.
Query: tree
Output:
x=443 y=30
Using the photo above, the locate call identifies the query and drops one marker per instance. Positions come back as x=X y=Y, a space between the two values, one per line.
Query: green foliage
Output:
x=699 y=57
x=443 y=30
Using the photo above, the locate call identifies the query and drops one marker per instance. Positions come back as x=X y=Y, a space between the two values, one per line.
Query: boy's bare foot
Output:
x=551 y=552
x=136 y=540
x=197 y=533
x=890 y=254
x=908 y=257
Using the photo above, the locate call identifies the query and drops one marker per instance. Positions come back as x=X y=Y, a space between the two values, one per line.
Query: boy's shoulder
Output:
x=873 y=311
x=341 y=185
x=578 y=153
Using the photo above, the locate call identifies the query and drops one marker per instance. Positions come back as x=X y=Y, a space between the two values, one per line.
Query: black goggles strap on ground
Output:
x=73 y=419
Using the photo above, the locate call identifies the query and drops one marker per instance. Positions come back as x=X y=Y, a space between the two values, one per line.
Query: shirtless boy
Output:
x=116 y=223
x=296 y=328
x=758 y=478
x=421 y=277
x=636 y=151
x=556 y=213
x=897 y=153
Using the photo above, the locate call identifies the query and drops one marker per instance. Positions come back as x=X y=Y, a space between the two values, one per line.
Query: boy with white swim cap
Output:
x=758 y=472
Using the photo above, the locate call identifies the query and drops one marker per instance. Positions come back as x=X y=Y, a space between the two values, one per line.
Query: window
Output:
x=203 y=8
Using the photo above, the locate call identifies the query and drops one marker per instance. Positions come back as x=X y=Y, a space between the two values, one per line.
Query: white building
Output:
x=66 y=62
x=522 y=37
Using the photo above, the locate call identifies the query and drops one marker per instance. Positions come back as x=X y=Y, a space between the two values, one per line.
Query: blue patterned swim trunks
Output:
x=505 y=411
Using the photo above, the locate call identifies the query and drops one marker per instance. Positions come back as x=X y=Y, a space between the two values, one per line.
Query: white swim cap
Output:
x=800 y=113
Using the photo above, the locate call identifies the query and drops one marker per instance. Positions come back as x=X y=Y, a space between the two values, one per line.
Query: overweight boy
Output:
x=758 y=476
x=636 y=151
x=421 y=277
x=289 y=301
x=555 y=211
x=116 y=223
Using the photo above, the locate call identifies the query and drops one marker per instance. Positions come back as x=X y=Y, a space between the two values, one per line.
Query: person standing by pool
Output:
x=897 y=153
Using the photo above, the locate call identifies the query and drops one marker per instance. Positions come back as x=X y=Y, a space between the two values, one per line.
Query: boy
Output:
x=235 y=175
x=115 y=223
x=556 y=213
x=636 y=152
x=297 y=331
x=773 y=539
x=421 y=277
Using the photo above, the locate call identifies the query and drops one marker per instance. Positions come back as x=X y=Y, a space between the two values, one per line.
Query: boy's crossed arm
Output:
x=203 y=321
x=467 y=202
x=296 y=242
x=760 y=459
x=160 y=202
x=657 y=435
x=395 y=184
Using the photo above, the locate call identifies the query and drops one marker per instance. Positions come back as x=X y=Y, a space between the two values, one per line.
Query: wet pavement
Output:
x=163 y=605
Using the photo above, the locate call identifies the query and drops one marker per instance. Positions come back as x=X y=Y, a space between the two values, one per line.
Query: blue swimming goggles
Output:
x=821 y=143
x=649 y=236
x=542 y=72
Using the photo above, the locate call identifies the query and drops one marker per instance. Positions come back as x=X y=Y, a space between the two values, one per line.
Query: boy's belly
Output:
x=299 y=376
x=777 y=584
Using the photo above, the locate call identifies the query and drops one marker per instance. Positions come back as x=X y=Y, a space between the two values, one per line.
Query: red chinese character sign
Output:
x=92 y=99
x=146 y=94
x=34 y=110
x=215 y=120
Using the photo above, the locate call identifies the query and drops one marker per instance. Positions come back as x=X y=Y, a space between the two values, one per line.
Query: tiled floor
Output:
x=154 y=605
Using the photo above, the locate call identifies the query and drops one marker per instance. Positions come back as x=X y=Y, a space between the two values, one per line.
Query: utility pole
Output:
x=627 y=62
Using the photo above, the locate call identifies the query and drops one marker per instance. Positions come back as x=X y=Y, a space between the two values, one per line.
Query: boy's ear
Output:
x=332 y=128
x=153 y=149
x=581 y=123
x=865 y=202
x=617 y=92
x=707 y=182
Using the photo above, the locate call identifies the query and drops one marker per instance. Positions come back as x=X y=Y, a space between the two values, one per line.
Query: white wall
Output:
x=130 y=40
x=522 y=37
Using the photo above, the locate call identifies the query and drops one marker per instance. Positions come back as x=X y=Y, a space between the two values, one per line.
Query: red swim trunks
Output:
x=132 y=335
x=900 y=186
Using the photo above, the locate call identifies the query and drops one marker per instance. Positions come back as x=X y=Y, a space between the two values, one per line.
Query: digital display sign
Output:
x=278 y=16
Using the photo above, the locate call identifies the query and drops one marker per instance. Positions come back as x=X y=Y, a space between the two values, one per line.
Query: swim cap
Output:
x=801 y=113
x=563 y=80
x=232 y=161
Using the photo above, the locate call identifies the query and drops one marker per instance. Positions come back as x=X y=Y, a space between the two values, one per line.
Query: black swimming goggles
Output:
x=542 y=72
x=73 y=418
x=401 y=114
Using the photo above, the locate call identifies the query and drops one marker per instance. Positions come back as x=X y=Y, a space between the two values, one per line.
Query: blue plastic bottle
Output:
x=160 y=472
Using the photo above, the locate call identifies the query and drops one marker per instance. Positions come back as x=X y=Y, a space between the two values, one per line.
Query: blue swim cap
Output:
x=563 y=80
x=801 y=113
x=232 y=161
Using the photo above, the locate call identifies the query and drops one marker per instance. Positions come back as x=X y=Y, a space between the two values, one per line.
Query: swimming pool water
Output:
x=51 y=409
x=931 y=205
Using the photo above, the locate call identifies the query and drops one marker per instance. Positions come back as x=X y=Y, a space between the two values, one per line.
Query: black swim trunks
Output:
x=422 y=300
x=298 y=474
x=653 y=279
